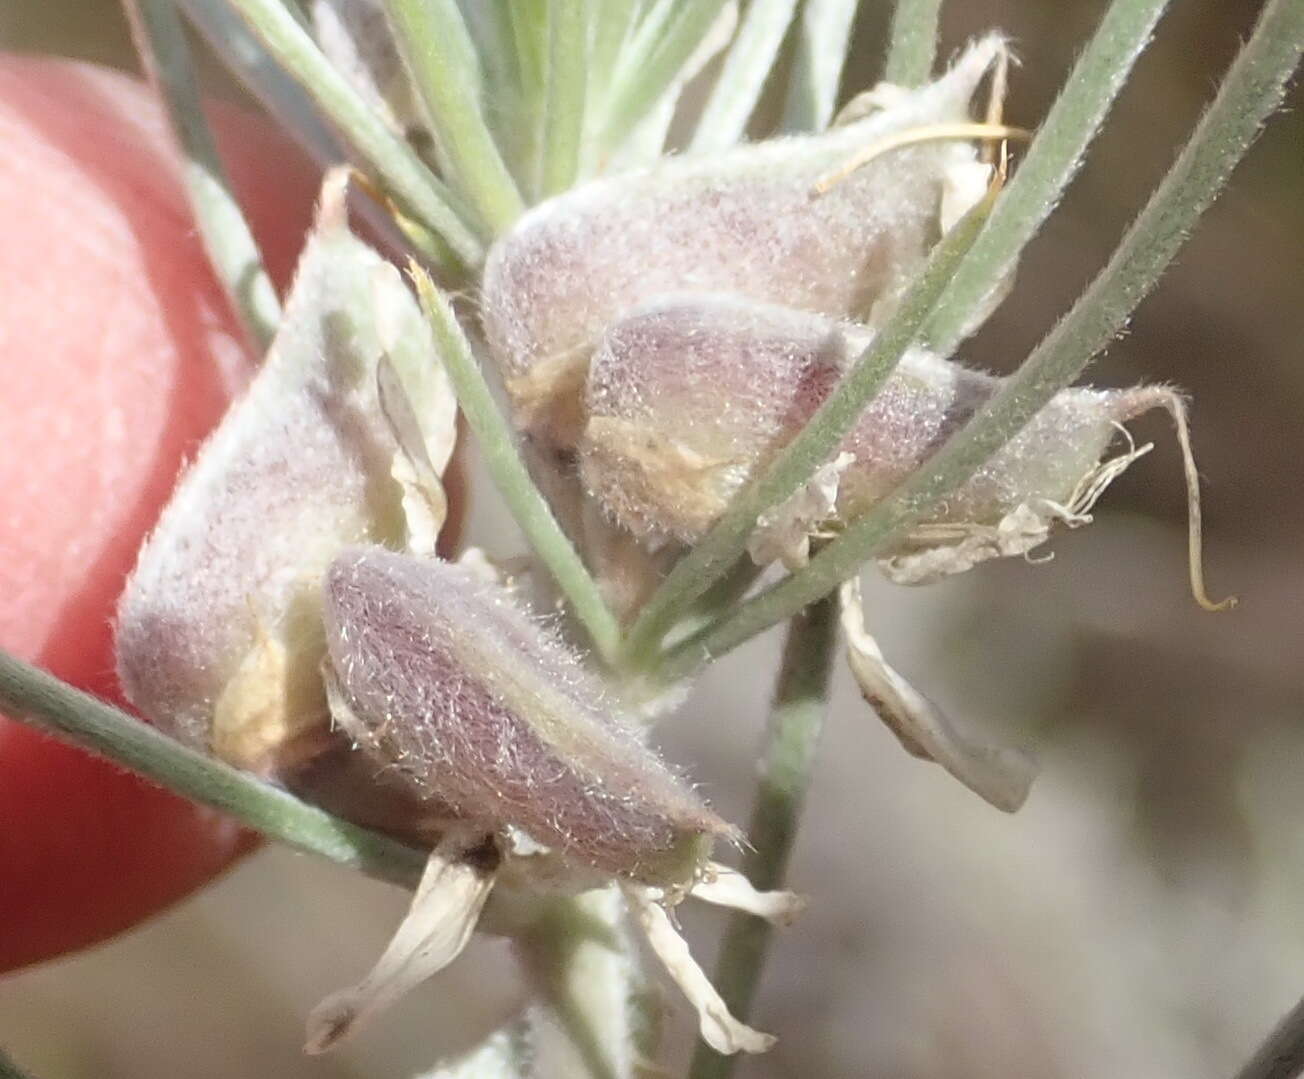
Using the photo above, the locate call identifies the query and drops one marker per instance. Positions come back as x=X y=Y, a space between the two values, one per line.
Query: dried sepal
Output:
x=444 y=911
x=717 y=1025
x=1001 y=776
x=727 y=887
x=743 y=221
x=219 y=628
x=455 y=689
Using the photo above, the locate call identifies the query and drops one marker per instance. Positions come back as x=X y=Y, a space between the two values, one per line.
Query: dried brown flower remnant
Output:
x=447 y=681
x=743 y=221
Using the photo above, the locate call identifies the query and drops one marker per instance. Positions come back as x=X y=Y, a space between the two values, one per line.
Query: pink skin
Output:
x=121 y=355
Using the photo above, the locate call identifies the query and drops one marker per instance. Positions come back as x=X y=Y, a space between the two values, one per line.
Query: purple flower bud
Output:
x=339 y=439
x=744 y=221
x=446 y=680
x=690 y=397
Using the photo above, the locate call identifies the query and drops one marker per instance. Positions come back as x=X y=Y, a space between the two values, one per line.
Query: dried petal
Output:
x=727 y=887
x=719 y=1029
x=219 y=636
x=438 y=924
x=449 y=683
x=1001 y=776
x=743 y=221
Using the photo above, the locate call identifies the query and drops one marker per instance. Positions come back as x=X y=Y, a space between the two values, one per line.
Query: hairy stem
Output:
x=912 y=43
x=435 y=43
x=796 y=720
x=1050 y=165
x=33 y=696
x=1251 y=90
x=235 y=258
x=498 y=444
x=716 y=552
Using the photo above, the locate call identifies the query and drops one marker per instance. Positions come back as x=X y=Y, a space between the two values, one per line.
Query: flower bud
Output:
x=219 y=637
x=690 y=397
x=444 y=679
x=744 y=221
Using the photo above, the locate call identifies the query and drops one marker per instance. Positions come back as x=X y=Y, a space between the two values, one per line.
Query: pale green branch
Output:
x=1251 y=90
x=435 y=44
x=230 y=246
x=30 y=694
x=498 y=444
x=1049 y=166
x=796 y=721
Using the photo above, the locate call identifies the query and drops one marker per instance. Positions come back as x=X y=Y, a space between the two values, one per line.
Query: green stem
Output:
x=1281 y=1056
x=563 y=122
x=742 y=77
x=796 y=720
x=393 y=162
x=823 y=34
x=727 y=540
x=912 y=43
x=232 y=252
x=1249 y=93
x=1049 y=166
x=435 y=42
x=650 y=64
x=34 y=696
x=529 y=24
x=498 y=444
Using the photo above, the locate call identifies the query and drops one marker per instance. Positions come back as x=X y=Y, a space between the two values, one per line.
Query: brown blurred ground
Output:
x=1141 y=917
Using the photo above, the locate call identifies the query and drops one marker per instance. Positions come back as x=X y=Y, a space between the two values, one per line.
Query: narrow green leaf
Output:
x=823 y=36
x=747 y=65
x=1049 y=166
x=563 y=125
x=395 y=164
x=33 y=696
x=230 y=246
x=912 y=43
x=435 y=43
x=659 y=50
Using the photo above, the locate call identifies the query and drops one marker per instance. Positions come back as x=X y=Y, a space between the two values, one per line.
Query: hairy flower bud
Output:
x=444 y=679
x=338 y=440
x=691 y=396
x=745 y=221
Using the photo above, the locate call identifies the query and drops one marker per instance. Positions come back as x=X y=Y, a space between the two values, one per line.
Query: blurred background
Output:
x=1142 y=916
